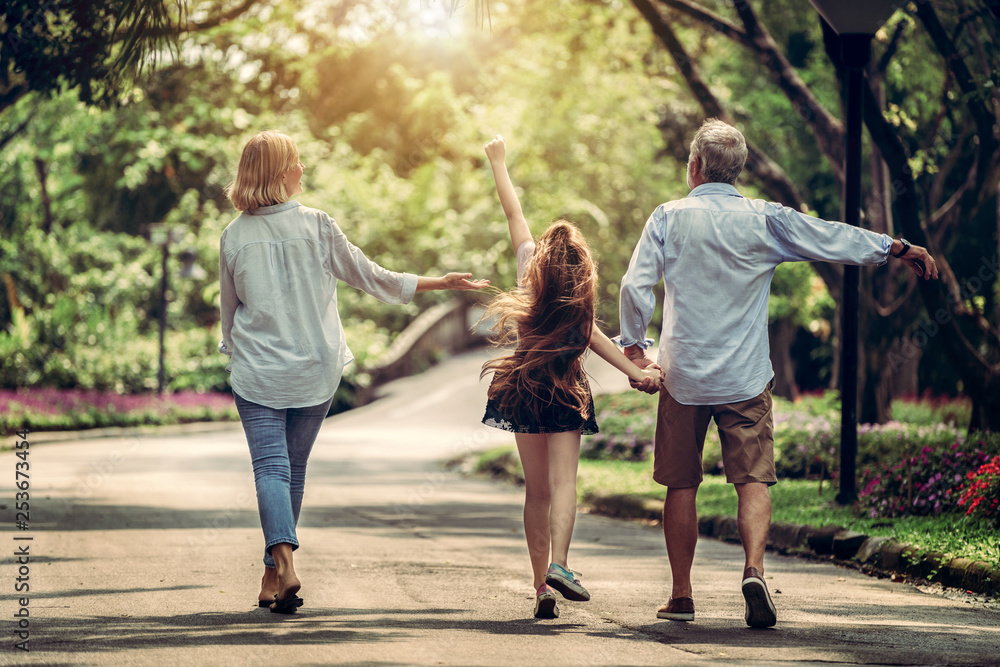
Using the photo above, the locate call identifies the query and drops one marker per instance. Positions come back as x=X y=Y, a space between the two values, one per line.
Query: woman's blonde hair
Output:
x=259 y=176
x=551 y=317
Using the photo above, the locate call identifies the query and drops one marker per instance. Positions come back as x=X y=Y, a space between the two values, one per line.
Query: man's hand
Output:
x=917 y=258
x=921 y=262
x=496 y=150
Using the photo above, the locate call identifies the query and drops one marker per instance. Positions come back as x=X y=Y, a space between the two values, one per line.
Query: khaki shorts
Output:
x=745 y=429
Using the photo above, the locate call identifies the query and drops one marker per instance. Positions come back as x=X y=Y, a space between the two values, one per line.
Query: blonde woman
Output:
x=279 y=264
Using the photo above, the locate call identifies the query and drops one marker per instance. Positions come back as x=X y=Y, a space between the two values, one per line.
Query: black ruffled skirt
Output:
x=557 y=418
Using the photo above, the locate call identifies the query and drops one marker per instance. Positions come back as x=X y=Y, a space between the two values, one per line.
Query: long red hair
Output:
x=550 y=317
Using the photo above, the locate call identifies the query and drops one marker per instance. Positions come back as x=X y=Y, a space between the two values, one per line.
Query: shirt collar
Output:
x=714 y=189
x=276 y=208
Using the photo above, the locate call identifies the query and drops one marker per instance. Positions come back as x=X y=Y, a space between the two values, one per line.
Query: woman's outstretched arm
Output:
x=646 y=379
x=496 y=151
x=453 y=281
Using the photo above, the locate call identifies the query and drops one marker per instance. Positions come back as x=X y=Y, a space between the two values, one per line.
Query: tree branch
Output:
x=710 y=19
x=6 y=138
x=963 y=353
x=970 y=91
x=768 y=174
x=197 y=26
x=829 y=131
x=774 y=181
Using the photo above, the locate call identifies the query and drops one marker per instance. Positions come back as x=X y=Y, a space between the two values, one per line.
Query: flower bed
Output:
x=70 y=409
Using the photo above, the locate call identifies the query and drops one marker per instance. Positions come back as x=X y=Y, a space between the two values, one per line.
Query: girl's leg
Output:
x=563 y=459
x=533 y=450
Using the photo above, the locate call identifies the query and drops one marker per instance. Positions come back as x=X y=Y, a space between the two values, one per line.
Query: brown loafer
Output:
x=677 y=609
x=760 y=610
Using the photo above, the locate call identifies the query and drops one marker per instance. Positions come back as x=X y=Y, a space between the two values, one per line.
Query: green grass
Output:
x=794 y=501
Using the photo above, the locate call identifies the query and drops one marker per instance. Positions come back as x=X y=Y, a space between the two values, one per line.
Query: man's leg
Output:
x=753 y=520
x=680 y=436
x=745 y=429
x=680 y=530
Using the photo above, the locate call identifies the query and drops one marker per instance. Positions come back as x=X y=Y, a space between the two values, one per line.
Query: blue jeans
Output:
x=280 y=442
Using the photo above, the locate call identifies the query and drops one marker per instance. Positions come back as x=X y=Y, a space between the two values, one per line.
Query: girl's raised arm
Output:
x=519 y=233
x=646 y=379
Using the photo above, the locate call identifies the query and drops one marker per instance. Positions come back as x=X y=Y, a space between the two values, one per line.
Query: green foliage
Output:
x=96 y=46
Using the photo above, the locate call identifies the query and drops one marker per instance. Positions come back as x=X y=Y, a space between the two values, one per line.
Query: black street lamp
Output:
x=856 y=22
x=163 y=235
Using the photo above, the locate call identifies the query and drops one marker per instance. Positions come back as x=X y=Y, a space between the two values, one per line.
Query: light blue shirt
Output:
x=716 y=252
x=278 y=272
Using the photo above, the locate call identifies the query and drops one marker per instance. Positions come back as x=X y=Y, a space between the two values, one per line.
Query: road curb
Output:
x=144 y=431
x=879 y=556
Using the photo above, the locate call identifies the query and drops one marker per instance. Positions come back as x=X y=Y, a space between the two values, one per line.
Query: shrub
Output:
x=980 y=496
x=922 y=484
x=55 y=409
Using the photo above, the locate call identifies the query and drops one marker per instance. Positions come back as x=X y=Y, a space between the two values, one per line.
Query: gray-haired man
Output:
x=716 y=252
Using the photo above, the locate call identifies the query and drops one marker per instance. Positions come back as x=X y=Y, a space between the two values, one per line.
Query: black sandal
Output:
x=287 y=606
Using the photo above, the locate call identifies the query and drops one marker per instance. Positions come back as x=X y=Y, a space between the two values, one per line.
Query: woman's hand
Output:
x=496 y=150
x=463 y=281
x=453 y=281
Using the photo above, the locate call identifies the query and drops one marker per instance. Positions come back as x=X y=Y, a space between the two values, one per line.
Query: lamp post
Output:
x=855 y=22
x=163 y=235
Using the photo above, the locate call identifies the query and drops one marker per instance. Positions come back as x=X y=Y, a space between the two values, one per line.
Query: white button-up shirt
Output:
x=278 y=271
x=716 y=252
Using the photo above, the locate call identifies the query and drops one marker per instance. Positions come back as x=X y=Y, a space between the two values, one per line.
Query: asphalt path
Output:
x=145 y=550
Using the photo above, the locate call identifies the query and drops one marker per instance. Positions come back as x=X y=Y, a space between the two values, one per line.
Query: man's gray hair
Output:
x=722 y=151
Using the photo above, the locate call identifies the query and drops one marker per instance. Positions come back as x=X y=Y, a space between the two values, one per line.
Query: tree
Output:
x=932 y=125
x=95 y=47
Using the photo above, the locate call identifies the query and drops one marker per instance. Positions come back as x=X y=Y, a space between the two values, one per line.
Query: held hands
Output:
x=654 y=374
x=652 y=380
x=496 y=150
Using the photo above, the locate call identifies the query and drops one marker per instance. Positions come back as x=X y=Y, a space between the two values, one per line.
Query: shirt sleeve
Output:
x=645 y=270
x=524 y=254
x=802 y=238
x=228 y=300
x=351 y=266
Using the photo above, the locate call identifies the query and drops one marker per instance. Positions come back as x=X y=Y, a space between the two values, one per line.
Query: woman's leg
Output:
x=265 y=432
x=563 y=459
x=533 y=450
x=302 y=427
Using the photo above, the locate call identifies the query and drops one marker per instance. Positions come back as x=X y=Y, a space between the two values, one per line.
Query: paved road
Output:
x=146 y=552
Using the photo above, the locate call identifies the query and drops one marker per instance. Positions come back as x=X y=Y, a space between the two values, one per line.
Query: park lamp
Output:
x=163 y=235
x=855 y=22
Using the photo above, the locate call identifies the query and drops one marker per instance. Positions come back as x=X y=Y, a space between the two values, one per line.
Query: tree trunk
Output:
x=782 y=334
x=985 y=404
x=42 y=170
